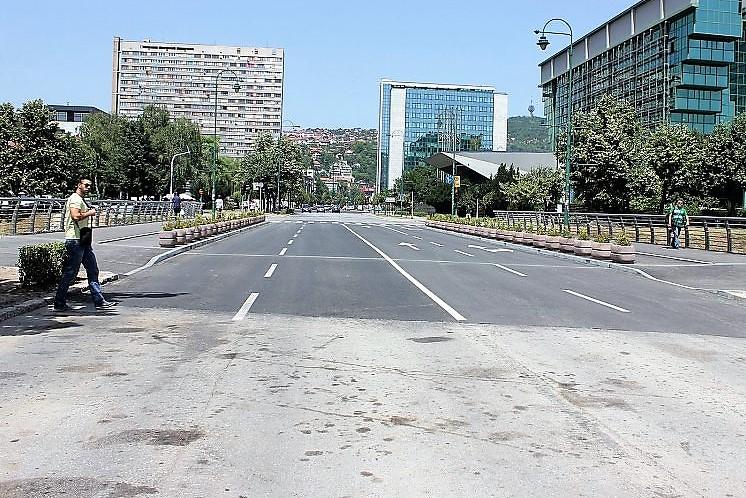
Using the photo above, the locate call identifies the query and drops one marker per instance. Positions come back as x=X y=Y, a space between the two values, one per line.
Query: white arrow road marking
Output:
x=241 y=314
x=464 y=253
x=411 y=246
x=488 y=249
x=270 y=271
x=455 y=314
x=436 y=244
x=284 y=250
x=587 y=298
x=510 y=270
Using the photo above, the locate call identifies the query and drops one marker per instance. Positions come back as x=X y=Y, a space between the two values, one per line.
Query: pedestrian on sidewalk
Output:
x=78 y=241
x=678 y=218
x=176 y=203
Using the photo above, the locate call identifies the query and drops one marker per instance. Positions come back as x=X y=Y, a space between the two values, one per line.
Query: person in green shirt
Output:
x=678 y=218
x=77 y=219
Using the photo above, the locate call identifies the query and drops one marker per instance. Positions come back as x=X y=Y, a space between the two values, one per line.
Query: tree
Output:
x=606 y=144
x=37 y=157
x=539 y=190
x=427 y=187
x=674 y=154
x=726 y=162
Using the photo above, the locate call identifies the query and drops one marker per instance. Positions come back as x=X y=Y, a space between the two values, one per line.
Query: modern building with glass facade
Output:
x=417 y=120
x=675 y=61
x=181 y=78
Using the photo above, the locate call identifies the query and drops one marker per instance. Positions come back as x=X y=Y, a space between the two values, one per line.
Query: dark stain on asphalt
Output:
x=314 y=453
x=115 y=374
x=397 y=420
x=362 y=430
x=10 y=375
x=503 y=437
x=228 y=356
x=154 y=437
x=39 y=327
x=79 y=487
x=86 y=368
x=427 y=340
x=127 y=330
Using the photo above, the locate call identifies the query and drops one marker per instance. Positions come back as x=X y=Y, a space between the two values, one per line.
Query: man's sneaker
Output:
x=106 y=304
x=61 y=309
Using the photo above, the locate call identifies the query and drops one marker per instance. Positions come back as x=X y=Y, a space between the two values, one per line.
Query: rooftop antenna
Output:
x=531 y=108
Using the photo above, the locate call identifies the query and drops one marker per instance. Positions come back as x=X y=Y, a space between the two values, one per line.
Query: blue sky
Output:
x=336 y=51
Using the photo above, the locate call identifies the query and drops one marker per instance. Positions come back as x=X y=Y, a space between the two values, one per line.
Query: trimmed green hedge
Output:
x=40 y=265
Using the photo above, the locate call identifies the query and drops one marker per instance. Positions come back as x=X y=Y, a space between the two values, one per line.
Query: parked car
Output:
x=335 y=209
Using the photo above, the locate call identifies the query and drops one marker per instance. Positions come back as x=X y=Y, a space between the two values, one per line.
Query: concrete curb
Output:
x=590 y=261
x=33 y=304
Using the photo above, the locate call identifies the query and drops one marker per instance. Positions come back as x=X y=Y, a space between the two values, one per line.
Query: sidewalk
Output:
x=694 y=267
x=118 y=256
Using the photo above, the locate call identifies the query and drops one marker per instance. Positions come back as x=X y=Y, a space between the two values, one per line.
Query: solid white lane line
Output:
x=295 y=236
x=284 y=250
x=455 y=314
x=241 y=314
x=271 y=270
x=436 y=244
x=510 y=270
x=403 y=233
x=290 y=242
x=464 y=253
x=602 y=303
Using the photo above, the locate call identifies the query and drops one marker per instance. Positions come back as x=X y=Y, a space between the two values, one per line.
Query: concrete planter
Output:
x=553 y=242
x=492 y=233
x=601 y=250
x=204 y=232
x=180 y=236
x=567 y=244
x=167 y=238
x=196 y=233
x=539 y=240
x=623 y=254
x=519 y=236
x=189 y=235
x=508 y=235
x=583 y=247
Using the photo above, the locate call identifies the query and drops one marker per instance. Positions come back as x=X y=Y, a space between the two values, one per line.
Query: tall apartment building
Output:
x=411 y=124
x=677 y=61
x=181 y=77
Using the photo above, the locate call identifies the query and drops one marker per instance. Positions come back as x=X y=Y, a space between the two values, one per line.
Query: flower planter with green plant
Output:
x=553 y=239
x=567 y=241
x=622 y=250
x=583 y=243
x=167 y=236
x=601 y=247
x=540 y=237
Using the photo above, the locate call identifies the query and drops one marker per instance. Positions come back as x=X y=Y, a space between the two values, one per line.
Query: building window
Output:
x=78 y=117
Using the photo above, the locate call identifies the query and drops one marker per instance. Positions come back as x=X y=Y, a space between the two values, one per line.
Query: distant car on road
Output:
x=305 y=208
x=335 y=209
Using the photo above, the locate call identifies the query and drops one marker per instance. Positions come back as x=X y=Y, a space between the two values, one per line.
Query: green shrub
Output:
x=622 y=239
x=602 y=238
x=583 y=234
x=40 y=265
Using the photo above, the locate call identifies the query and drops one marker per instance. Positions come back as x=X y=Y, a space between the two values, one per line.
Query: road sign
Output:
x=257 y=185
x=457 y=181
x=390 y=199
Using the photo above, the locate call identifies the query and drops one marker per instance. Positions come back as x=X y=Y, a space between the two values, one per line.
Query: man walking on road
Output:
x=678 y=218
x=78 y=240
x=176 y=203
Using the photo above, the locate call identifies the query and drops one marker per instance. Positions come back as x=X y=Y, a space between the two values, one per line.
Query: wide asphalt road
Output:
x=344 y=355
x=358 y=266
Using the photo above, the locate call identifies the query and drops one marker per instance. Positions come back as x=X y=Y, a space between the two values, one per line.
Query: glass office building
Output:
x=417 y=120
x=675 y=61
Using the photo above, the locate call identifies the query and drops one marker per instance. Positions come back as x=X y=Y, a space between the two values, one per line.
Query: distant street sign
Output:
x=457 y=181
x=257 y=185
x=390 y=199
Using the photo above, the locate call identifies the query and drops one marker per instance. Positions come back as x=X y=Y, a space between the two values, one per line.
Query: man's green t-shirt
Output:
x=72 y=229
x=678 y=216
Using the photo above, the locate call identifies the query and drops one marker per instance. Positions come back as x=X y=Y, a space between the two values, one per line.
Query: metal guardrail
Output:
x=29 y=215
x=712 y=233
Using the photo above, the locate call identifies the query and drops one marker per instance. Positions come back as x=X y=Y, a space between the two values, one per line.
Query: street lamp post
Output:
x=236 y=87
x=172 y=168
x=543 y=43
